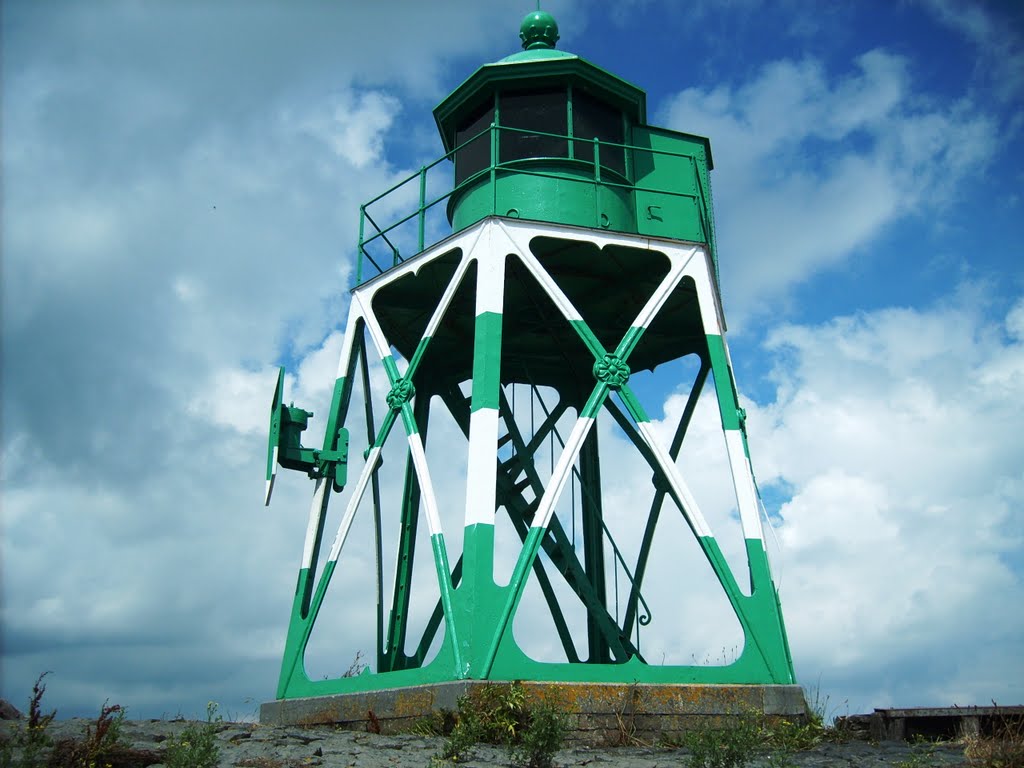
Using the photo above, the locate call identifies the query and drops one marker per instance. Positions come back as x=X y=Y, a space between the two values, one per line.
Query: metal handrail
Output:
x=516 y=166
x=643 y=619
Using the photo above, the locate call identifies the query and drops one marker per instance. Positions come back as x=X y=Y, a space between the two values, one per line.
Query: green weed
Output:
x=500 y=714
x=542 y=737
x=732 y=746
x=921 y=752
x=777 y=739
x=440 y=723
x=196 y=747
x=789 y=736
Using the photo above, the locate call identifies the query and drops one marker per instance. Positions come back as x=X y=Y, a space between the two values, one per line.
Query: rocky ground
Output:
x=248 y=745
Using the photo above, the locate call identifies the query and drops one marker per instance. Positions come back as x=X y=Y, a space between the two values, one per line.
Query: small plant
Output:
x=780 y=759
x=28 y=746
x=789 y=736
x=501 y=715
x=730 y=747
x=357 y=667
x=440 y=723
x=625 y=720
x=921 y=752
x=542 y=737
x=100 y=745
x=488 y=714
x=106 y=738
x=1003 y=748
x=196 y=747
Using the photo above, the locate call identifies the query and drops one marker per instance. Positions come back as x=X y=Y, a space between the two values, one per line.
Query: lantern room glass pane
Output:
x=537 y=110
x=592 y=119
x=476 y=155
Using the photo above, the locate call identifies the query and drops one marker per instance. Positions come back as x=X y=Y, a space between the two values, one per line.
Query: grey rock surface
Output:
x=248 y=745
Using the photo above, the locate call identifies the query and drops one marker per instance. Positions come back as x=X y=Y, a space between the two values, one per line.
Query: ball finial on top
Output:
x=538 y=30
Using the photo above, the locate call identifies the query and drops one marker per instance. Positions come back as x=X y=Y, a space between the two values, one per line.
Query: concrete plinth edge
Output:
x=598 y=712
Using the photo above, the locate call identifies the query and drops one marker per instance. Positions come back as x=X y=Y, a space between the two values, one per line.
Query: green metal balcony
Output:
x=657 y=186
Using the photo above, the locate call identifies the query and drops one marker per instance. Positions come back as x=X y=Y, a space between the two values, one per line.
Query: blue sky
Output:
x=181 y=185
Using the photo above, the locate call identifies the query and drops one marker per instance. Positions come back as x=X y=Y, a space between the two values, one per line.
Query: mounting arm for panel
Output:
x=284 y=447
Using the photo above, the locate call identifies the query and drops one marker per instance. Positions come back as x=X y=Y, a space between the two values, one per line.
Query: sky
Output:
x=180 y=193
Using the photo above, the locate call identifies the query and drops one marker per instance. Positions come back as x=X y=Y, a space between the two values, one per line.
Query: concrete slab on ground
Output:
x=598 y=712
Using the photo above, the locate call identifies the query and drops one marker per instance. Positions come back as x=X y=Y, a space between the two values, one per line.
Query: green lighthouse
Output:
x=579 y=254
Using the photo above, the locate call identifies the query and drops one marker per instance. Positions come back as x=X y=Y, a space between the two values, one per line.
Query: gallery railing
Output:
x=388 y=253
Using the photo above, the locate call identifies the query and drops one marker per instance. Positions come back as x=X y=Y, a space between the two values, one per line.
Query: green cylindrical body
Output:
x=557 y=190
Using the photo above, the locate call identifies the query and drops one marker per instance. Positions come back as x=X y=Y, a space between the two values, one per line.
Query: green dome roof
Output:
x=537 y=54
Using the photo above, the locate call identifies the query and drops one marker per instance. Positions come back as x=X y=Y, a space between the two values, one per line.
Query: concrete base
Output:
x=600 y=713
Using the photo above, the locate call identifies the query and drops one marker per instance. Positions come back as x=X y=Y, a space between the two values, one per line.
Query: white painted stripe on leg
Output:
x=353 y=503
x=380 y=342
x=561 y=471
x=728 y=359
x=743 y=481
x=427 y=495
x=273 y=476
x=690 y=509
x=550 y=287
x=315 y=510
x=490 y=282
x=481 y=479
x=446 y=297
x=698 y=270
x=354 y=309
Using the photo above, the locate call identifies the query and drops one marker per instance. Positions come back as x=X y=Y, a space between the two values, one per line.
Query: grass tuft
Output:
x=1003 y=747
x=732 y=746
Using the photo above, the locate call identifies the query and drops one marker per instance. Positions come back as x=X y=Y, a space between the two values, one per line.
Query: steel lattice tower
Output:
x=582 y=252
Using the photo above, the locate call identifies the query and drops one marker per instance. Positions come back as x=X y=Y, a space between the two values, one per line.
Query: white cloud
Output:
x=237 y=399
x=352 y=125
x=896 y=433
x=810 y=168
